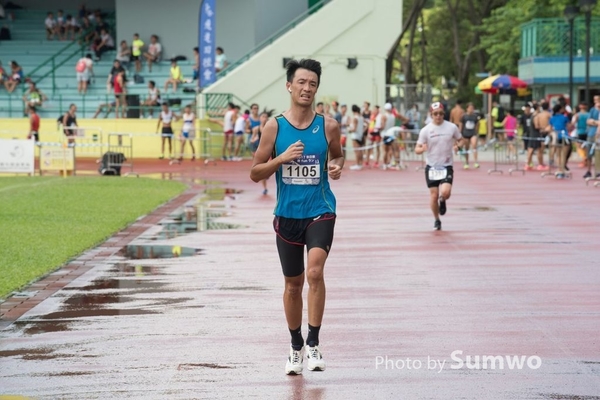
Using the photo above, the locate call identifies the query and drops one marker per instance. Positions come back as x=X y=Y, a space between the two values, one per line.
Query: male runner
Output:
x=469 y=126
x=439 y=139
x=305 y=150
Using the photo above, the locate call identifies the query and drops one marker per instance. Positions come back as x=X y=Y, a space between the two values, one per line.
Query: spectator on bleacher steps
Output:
x=196 y=64
x=16 y=77
x=175 y=76
x=152 y=100
x=114 y=71
x=107 y=43
x=85 y=70
x=50 y=24
x=120 y=92
x=72 y=27
x=124 y=55
x=60 y=25
x=154 y=53
x=220 y=60
x=137 y=46
x=33 y=97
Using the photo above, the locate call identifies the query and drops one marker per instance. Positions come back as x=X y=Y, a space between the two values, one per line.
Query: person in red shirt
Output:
x=34 y=124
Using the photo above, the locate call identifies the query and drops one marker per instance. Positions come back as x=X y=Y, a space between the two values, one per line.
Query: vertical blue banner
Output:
x=206 y=43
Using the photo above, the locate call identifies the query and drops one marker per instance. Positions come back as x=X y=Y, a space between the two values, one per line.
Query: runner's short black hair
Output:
x=306 y=63
x=355 y=108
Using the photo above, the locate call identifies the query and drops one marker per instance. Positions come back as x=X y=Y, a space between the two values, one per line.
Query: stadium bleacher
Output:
x=30 y=49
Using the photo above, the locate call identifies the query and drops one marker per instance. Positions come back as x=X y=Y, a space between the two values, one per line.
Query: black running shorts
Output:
x=293 y=234
x=448 y=179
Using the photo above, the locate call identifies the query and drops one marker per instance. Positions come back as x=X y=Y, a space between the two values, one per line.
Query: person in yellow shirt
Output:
x=175 y=78
x=136 y=52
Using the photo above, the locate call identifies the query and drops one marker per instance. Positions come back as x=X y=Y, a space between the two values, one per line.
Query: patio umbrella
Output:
x=519 y=92
x=503 y=84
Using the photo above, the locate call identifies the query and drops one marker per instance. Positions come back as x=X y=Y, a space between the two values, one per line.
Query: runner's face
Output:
x=303 y=87
x=438 y=116
x=470 y=109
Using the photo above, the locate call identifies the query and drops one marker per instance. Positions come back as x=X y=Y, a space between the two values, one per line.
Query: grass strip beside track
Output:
x=45 y=221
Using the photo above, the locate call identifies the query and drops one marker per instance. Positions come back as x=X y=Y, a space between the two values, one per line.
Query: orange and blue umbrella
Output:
x=504 y=84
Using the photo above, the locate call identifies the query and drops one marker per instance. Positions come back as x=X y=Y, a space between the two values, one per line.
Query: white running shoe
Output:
x=315 y=359
x=293 y=366
x=356 y=167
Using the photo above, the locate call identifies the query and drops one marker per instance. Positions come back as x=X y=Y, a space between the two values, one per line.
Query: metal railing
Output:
x=550 y=37
x=267 y=42
x=90 y=106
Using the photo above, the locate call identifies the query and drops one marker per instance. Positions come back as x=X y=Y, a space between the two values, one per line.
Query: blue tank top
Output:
x=254 y=122
x=582 y=122
x=302 y=185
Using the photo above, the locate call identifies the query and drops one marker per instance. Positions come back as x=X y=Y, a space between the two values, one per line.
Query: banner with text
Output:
x=17 y=156
x=206 y=43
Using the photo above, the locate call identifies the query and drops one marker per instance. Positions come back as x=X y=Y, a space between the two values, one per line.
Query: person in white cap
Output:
x=439 y=139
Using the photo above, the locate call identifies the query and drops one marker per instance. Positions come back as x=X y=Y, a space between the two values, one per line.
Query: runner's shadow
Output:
x=299 y=390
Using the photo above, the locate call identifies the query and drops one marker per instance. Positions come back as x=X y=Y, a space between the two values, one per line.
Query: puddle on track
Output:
x=107 y=296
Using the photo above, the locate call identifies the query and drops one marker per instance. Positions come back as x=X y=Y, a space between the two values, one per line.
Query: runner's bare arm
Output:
x=420 y=148
x=254 y=136
x=263 y=167
x=336 y=156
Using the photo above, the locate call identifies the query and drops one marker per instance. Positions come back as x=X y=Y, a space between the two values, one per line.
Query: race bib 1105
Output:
x=306 y=170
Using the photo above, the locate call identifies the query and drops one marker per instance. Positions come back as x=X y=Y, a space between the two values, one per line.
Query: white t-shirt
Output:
x=227 y=121
x=166 y=117
x=154 y=49
x=440 y=141
x=50 y=23
x=240 y=124
x=220 y=60
x=108 y=40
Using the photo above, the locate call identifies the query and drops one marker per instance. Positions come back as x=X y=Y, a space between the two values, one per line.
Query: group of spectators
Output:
x=10 y=79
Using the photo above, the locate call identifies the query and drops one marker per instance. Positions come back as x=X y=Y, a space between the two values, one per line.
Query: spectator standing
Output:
x=107 y=43
x=34 y=125
x=34 y=97
x=114 y=71
x=119 y=88
x=188 y=132
x=136 y=52
x=220 y=60
x=85 y=70
x=510 y=129
x=497 y=119
x=154 y=52
x=457 y=113
x=414 y=117
x=196 y=64
x=166 y=119
x=15 y=78
x=69 y=123
x=175 y=76
x=50 y=24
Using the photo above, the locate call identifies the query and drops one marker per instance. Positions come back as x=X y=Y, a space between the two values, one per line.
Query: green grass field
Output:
x=45 y=221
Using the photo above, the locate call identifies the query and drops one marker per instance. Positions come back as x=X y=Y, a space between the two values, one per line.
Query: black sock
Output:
x=313 y=335
x=297 y=339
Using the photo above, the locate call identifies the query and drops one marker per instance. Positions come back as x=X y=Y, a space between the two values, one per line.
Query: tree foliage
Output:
x=455 y=39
